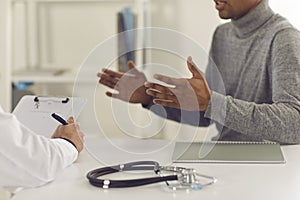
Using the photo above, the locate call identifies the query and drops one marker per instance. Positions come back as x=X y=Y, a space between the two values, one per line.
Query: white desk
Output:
x=240 y=182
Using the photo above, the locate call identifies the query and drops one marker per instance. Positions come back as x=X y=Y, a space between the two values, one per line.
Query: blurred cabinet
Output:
x=52 y=38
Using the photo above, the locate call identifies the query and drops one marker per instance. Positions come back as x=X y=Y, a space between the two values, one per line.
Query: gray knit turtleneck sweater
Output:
x=258 y=58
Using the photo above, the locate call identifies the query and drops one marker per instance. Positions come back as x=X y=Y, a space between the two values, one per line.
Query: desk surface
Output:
x=235 y=181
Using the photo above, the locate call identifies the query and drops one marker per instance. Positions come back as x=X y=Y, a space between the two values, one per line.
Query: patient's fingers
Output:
x=113 y=73
x=158 y=87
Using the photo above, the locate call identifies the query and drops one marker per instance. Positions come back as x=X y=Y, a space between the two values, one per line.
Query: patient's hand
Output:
x=129 y=86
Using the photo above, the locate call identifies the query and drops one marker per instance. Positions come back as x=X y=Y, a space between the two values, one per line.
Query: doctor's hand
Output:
x=129 y=86
x=70 y=132
x=187 y=94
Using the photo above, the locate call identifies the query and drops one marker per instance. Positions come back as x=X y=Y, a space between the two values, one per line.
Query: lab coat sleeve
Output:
x=28 y=159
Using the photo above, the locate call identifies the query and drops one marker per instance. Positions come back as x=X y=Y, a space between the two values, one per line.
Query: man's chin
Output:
x=223 y=16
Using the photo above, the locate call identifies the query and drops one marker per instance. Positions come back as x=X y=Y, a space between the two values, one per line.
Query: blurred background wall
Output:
x=43 y=43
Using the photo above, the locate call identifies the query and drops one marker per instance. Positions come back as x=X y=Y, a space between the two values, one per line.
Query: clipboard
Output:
x=35 y=112
x=232 y=152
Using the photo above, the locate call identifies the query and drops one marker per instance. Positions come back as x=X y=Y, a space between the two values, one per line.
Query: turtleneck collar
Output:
x=247 y=24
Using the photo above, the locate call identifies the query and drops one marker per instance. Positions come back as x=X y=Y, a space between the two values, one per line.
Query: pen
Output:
x=59 y=118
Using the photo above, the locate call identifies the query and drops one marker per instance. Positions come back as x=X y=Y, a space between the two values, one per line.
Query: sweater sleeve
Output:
x=193 y=118
x=279 y=120
x=27 y=159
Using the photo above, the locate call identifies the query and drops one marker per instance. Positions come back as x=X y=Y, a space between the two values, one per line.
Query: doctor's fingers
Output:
x=80 y=135
x=63 y=130
x=77 y=126
x=75 y=129
x=70 y=128
x=71 y=120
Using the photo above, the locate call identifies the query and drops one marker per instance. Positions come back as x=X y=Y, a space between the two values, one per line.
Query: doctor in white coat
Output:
x=29 y=160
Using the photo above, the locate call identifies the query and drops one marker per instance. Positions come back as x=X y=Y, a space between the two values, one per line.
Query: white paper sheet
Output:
x=37 y=115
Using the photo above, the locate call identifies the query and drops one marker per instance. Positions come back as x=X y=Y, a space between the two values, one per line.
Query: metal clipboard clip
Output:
x=37 y=100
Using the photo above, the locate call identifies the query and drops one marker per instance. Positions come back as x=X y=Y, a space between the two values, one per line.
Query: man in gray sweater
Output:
x=258 y=57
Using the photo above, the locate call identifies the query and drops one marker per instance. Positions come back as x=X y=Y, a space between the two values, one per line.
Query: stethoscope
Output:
x=175 y=177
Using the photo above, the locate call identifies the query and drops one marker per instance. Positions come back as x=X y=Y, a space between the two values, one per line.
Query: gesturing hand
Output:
x=129 y=86
x=188 y=94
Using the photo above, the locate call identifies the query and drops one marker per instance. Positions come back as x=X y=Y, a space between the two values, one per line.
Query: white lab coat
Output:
x=27 y=159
